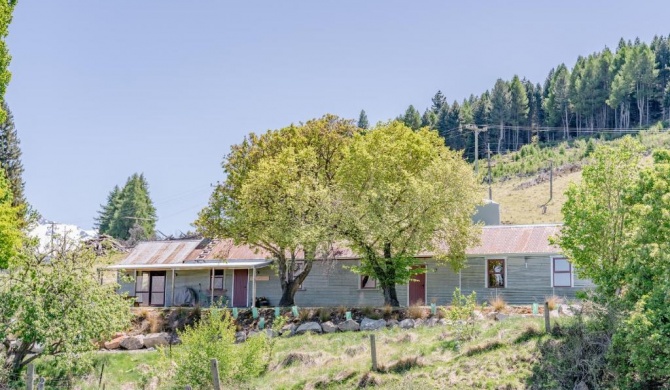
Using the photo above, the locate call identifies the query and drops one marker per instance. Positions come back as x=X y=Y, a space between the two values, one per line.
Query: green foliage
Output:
x=363 y=120
x=213 y=337
x=10 y=157
x=54 y=300
x=462 y=315
x=412 y=118
x=6 y=9
x=401 y=192
x=11 y=236
x=129 y=213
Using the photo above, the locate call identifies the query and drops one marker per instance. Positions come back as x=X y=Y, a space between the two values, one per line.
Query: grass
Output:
x=502 y=356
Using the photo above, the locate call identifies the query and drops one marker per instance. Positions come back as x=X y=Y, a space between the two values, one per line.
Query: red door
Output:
x=240 y=282
x=417 y=289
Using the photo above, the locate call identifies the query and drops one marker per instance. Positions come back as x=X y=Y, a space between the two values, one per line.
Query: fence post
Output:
x=547 y=324
x=30 y=379
x=215 y=374
x=102 y=370
x=373 y=351
x=40 y=384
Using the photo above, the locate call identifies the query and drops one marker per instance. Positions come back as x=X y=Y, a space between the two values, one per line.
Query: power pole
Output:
x=476 y=130
x=488 y=157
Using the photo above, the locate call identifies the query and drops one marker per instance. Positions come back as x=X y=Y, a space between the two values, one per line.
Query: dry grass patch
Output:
x=553 y=302
x=402 y=365
x=369 y=379
x=355 y=350
x=417 y=312
x=301 y=358
x=498 y=303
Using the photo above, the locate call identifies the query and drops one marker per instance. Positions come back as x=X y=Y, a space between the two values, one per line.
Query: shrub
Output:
x=462 y=314
x=387 y=310
x=304 y=315
x=324 y=314
x=417 y=312
x=213 y=338
x=498 y=303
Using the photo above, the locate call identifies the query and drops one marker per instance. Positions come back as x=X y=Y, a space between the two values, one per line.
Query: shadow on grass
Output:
x=530 y=333
x=488 y=347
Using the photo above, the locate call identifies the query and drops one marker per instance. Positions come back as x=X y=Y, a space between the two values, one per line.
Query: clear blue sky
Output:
x=102 y=89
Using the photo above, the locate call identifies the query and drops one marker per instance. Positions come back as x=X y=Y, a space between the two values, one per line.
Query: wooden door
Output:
x=240 y=283
x=157 y=289
x=150 y=288
x=417 y=289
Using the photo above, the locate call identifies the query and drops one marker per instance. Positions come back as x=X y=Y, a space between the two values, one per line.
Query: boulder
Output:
x=348 y=325
x=491 y=315
x=369 y=324
x=501 y=317
x=132 y=342
x=309 y=327
x=443 y=322
x=407 y=323
x=270 y=333
x=392 y=323
x=253 y=333
x=115 y=343
x=154 y=340
x=288 y=329
x=119 y=334
x=431 y=322
x=329 y=327
x=240 y=337
x=418 y=322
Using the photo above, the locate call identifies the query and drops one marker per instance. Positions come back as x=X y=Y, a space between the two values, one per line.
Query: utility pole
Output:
x=488 y=157
x=476 y=130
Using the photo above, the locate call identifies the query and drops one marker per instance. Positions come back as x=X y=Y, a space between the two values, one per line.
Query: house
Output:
x=516 y=262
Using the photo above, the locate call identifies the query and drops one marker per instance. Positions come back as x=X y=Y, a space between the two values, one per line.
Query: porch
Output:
x=231 y=283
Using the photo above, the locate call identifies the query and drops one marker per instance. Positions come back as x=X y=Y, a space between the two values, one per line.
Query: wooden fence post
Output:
x=30 y=378
x=102 y=370
x=373 y=352
x=547 y=324
x=215 y=374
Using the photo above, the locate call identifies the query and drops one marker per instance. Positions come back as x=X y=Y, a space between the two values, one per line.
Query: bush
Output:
x=213 y=338
x=417 y=312
x=462 y=314
x=498 y=303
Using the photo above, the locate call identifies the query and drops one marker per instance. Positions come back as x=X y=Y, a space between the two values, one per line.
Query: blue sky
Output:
x=102 y=89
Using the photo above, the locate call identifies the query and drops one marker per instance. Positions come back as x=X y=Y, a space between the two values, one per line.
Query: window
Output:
x=150 y=288
x=217 y=279
x=367 y=282
x=495 y=270
x=562 y=272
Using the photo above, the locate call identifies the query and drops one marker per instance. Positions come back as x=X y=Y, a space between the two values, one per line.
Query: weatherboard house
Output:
x=516 y=262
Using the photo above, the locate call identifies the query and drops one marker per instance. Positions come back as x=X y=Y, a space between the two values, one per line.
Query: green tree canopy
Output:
x=401 y=192
x=10 y=157
x=412 y=118
x=10 y=224
x=128 y=209
x=363 y=120
x=278 y=195
x=6 y=9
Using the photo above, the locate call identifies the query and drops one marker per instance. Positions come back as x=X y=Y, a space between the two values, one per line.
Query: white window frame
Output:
x=552 y=272
x=486 y=271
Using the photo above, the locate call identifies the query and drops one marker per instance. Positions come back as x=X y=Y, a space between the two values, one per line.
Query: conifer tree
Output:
x=363 y=120
x=439 y=101
x=105 y=216
x=412 y=118
x=133 y=209
x=10 y=157
x=500 y=108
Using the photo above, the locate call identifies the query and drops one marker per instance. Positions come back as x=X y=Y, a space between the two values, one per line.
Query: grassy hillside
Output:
x=521 y=179
x=503 y=355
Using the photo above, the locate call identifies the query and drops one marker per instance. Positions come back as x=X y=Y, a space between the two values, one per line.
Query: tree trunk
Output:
x=390 y=296
x=501 y=136
x=288 y=293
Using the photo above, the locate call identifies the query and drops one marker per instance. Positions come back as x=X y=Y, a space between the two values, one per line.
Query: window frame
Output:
x=370 y=278
x=554 y=272
x=220 y=277
x=486 y=272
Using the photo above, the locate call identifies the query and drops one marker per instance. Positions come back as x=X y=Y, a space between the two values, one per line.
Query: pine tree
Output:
x=518 y=107
x=105 y=216
x=134 y=208
x=429 y=119
x=412 y=118
x=500 y=108
x=363 y=120
x=439 y=101
x=10 y=157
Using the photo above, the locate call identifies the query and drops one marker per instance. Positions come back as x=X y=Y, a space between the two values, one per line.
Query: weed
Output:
x=498 y=303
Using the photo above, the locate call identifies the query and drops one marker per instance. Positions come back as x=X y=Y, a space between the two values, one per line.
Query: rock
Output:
x=309 y=327
x=252 y=333
x=270 y=333
x=368 y=324
x=119 y=334
x=240 y=337
x=329 y=327
x=431 y=322
x=443 y=322
x=501 y=317
x=288 y=329
x=115 y=343
x=154 y=340
x=132 y=342
x=348 y=325
x=491 y=315
x=392 y=323
x=581 y=386
x=174 y=339
x=418 y=322
x=407 y=323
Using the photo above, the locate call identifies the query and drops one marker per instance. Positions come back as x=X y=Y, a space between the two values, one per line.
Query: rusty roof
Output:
x=495 y=240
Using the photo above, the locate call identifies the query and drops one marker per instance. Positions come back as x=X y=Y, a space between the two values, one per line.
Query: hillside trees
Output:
x=130 y=208
x=278 y=196
x=402 y=192
x=500 y=109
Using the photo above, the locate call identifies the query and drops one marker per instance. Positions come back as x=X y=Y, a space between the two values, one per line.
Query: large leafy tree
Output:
x=54 y=304
x=129 y=213
x=6 y=9
x=10 y=231
x=278 y=196
x=401 y=192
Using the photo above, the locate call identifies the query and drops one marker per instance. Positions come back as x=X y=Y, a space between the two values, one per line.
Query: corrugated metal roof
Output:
x=161 y=252
x=496 y=240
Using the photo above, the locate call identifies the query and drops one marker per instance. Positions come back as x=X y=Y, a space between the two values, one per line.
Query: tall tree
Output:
x=135 y=210
x=6 y=9
x=103 y=221
x=412 y=118
x=10 y=157
x=278 y=196
x=518 y=107
x=10 y=231
x=557 y=104
x=402 y=192
x=429 y=119
x=439 y=101
x=500 y=108
x=363 y=120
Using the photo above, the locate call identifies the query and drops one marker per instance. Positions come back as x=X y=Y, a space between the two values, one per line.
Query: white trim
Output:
x=232 y=289
x=572 y=272
x=253 y=288
x=425 y=282
x=486 y=272
x=164 y=267
x=172 y=289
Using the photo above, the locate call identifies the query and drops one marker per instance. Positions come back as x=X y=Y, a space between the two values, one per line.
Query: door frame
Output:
x=232 y=293
x=425 y=283
x=149 y=292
